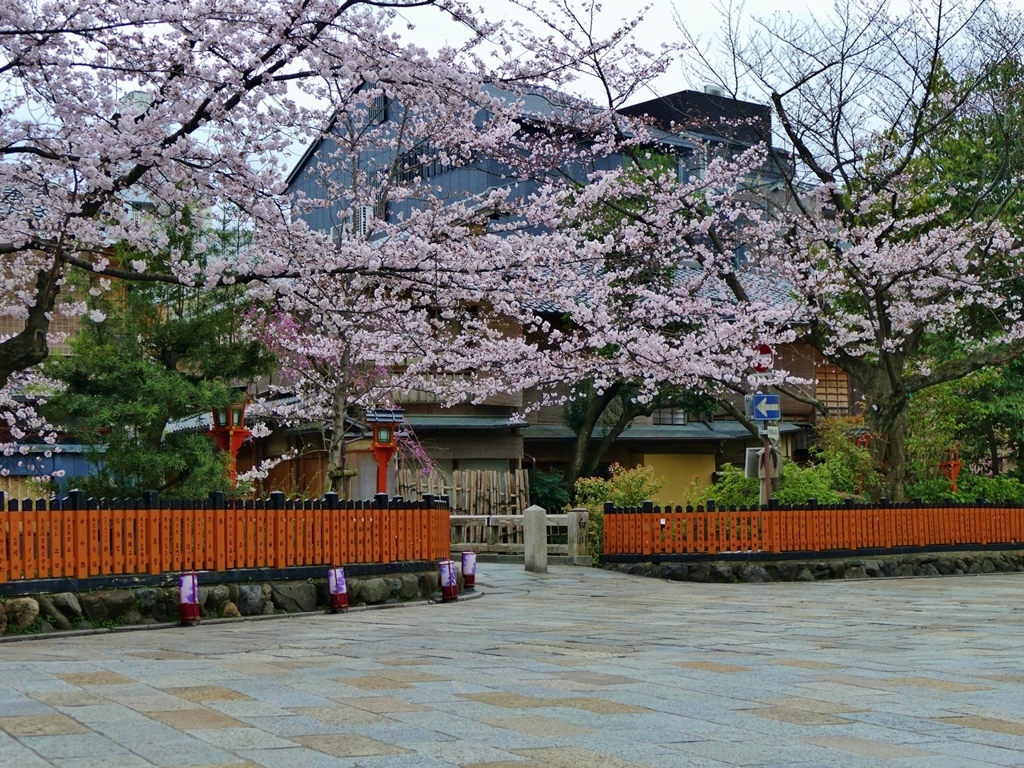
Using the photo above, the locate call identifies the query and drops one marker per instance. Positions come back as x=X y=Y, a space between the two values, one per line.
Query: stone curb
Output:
x=229 y=620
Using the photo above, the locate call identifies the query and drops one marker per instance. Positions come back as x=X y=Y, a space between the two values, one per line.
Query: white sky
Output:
x=432 y=30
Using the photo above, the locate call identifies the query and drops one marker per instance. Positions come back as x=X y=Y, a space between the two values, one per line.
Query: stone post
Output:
x=578 y=537
x=535 y=538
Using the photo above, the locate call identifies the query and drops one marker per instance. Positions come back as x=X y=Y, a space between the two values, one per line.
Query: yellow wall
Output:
x=680 y=470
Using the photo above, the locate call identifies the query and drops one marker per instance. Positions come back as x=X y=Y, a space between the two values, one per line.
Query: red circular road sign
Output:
x=764 y=359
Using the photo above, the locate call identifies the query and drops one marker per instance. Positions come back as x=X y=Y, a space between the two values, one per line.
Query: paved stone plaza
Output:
x=578 y=667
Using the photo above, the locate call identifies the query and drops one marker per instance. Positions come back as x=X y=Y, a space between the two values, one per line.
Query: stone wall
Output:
x=145 y=606
x=947 y=564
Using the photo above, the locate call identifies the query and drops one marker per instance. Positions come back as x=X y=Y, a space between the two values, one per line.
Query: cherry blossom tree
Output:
x=904 y=269
x=117 y=117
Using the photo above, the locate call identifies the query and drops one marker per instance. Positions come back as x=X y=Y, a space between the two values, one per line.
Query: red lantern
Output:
x=469 y=570
x=188 y=599
x=338 y=590
x=449 y=581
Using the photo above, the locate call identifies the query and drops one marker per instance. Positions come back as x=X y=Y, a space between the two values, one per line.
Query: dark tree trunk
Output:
x=886 y=419
x=29 y=347
x=596 y=407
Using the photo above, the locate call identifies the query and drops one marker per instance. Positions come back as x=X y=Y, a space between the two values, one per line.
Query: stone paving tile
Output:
x=797 y=716
x=340 y=715
x=241 y=738
x=95 y=678
x=383 y=705
x=74 y=745
x=195 y=719
x=868 y=747
x=979 y=723
x=372 y=683
x=463 y=751
x=348 y=745
x=74 y=698
x=247 y=708
x=711 y=666
x=204 y=693
x=19 y=756
x=806 y=664
x=296 y=758
x=40 y=725
x=537 y=726
x=123 y=761
x=980 y=754
x=184 y=751
x=939 y=685
x=574 y=757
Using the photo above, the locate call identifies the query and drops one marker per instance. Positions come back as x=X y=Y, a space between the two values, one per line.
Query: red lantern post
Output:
x=229 y=432
x=384 y=423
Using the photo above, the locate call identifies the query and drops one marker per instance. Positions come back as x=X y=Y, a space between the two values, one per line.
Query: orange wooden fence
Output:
x=649 y=530
x=81 y=538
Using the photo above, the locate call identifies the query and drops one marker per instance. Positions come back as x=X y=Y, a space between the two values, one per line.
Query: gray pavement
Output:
x=578 y=667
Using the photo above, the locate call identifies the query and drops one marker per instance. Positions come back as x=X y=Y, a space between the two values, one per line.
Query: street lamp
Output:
x=384 y=422
x=229 y=433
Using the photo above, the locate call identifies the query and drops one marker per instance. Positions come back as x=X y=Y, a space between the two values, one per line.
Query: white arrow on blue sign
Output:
x=767 y=407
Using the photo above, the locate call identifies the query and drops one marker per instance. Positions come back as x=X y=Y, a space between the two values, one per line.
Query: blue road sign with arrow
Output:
x=767 y=407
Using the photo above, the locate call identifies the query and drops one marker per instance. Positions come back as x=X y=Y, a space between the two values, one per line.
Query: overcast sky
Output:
x=432 y=31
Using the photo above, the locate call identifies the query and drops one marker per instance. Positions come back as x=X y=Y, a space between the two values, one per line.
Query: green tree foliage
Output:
x=160 y=353
x=549 y=491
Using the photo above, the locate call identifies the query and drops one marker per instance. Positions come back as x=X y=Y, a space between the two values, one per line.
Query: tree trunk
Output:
x=993 y=448
x=596 y=407
x=886 y=419
x=337 y=481
x=29 y=347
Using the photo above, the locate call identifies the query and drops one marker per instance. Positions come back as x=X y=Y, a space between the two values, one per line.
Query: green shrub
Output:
x=625 y=488
x=802 y=483
x=970 y=488
x=733 y=488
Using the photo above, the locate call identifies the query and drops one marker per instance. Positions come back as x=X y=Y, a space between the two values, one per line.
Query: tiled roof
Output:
x=745 y=122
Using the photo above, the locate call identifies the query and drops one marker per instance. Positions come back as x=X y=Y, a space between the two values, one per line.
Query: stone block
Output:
x=856 y=572
x=430 y=583
x=872 y=568
x=230 y=610
x=805 y=575
x=67 y=603
x=788 y=571
x=3 y=619
x=294 y=597
x=410 y=586
x=146 y=598
x=674 y=571
x=701 y=572
x=250 y=599
x=722 y=573
x=131 y=617
x=21 y=612
x=753 y=574
x=49 y=611
x=217 y=597
x=107 y=605
x=374 y=591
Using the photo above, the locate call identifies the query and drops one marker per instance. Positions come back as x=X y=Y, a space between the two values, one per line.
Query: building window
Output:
x=379 y=109
x=669 y=416
x=832 y=387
